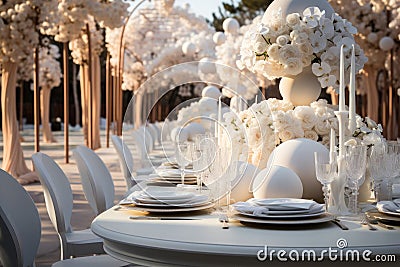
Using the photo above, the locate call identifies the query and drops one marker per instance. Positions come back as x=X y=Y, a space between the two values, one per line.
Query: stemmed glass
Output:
x=355 y=162
x=325 y=171
x=183 y=154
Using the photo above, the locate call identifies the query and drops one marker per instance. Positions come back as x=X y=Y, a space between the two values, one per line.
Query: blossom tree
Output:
x=50 y=77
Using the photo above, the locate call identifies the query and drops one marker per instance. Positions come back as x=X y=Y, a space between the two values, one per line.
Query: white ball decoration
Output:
x=298 y=155
x=372 y=37
x=242 y=183
x=231 y=25
x=277 y=182
x=206 y=65
x=219 y=38
x=386 y=43
x=211 y=91
x=189 y=48
x=241 y=90
x=208 y=103
x=179 y=134
x=193 y=129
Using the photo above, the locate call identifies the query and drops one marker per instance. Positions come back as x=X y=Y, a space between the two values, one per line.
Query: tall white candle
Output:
x=342 y=85
x=332 y=147
x=256 y=101
x=352 y=93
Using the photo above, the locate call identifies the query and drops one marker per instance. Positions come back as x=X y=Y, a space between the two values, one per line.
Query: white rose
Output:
x=322 y=127
x=260 y=47
x=293 y=19
x=273 y=52
x=306 y=115
x=286 y=134
x=282 y=40
x=310 y=134
x=293 y=66
x=288 y=51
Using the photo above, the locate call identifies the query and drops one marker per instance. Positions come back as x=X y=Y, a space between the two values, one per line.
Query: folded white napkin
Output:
x=392 y=206
x=246 y=207
x=284 y=203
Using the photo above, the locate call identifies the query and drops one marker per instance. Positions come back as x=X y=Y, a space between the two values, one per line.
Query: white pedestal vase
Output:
x=300 y=90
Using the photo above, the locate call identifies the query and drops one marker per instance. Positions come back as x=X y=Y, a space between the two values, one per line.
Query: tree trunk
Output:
x=45 y=114
x=13 y=156
x=372 y=94
x=96 y=103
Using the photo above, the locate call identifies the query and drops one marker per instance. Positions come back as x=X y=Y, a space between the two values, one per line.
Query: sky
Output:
x=202 y=7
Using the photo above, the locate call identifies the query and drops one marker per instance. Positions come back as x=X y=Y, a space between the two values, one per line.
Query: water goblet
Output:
x=355 y=163
x=183 y=157
x=325 y=172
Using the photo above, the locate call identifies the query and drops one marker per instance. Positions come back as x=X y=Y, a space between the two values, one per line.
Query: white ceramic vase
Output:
x=300 y=90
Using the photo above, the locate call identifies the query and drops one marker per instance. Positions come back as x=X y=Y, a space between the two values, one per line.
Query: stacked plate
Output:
x=291 y=211
x=166 y=201
x=172 y=176
x=388 y=212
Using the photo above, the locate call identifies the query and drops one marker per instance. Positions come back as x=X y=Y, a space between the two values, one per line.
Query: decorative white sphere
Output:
x=230 y=25
x=372 y=37
x=149 y=34
x=219 y=38
x=277 y=182
x=295 y=6
x=242 y=184
x=206 y=65
x=298 y=155
x=241 y=90
x=386 y=43
x=208 y=103
x=211 y=91
x=179 y=134
x=189 y=48
x=194 y=128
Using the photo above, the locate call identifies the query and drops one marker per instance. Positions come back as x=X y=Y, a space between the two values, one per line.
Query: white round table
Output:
x=203 y=242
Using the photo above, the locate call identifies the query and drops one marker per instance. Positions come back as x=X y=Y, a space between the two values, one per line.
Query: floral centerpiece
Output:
x=287 y=45
x=255 y=132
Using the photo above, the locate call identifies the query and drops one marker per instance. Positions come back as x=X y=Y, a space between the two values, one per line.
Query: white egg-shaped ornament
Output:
x=242 y=183
x=277 y=182
x=231 y=25
x=372 y=37
x=219 y=38
x=194 y=128
x=179 y=134
x=211 y=91
x=188 y=49
x=208 y=103
x=298 y=155
x=386 y=43
x=207 y=65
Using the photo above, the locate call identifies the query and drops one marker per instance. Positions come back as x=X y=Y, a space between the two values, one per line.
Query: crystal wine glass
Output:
x=355 y=162
x=325 y=172
x=183 y=157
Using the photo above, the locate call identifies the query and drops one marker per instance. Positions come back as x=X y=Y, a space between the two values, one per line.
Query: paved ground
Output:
x=49 y=249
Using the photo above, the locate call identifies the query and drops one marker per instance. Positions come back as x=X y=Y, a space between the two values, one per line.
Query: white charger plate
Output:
x=284 y=203
x=165 y=195
x=197 y=201
x=172 y=209
x=286 y=216
x=193 y=199
x=320 y=219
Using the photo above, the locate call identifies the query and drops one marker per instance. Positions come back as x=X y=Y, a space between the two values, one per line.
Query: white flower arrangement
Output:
x=262 y=127
x=50 y=70
x=287 y=45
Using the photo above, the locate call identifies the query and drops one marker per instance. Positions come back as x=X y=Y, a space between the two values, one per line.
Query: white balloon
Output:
x=372 y=37
x=277 y=182
x=208 y=103
x=231 y=25
x=179 y=134
x=219 y=38
x=386 y=43
x=298 y=155
x=211 y=91
x=193 y=129
x=189 y=48
x=206 y=65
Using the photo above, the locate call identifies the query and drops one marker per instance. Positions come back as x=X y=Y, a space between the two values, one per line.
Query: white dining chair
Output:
x=155 y=134
x=97 y=182
x=143 y=150
x=59 y=203
x=20 y=230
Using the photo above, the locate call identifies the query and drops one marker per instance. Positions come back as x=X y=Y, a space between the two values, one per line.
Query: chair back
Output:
x=125 y=159
x=97 y=182
x=148 y=139
x=153 y=130
x=19 y=224
x=57 y=192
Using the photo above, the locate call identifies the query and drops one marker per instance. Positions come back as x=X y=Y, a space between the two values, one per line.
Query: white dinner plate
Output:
x=172 y=209
x=192 y=199
x=320 y=219
x=196 y=201
x=397 y=214
x=284 y=203
x=165 y=195
x=286 y=216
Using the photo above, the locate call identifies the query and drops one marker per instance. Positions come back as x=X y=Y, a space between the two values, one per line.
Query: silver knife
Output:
x=340 y=224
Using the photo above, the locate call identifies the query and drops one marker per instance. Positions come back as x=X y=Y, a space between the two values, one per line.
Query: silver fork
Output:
x=364 y=221
x=223 y=218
